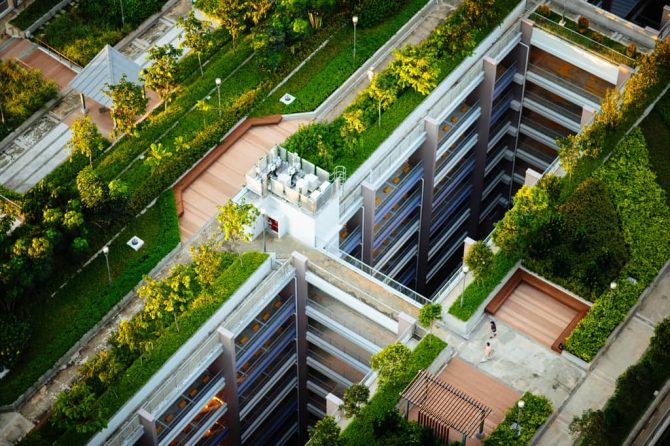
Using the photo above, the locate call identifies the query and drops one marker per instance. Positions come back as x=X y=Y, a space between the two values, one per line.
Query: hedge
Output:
x=656 y=130
x=166 y=344
x=534 y=414
x=359 y=431
x=59 y=322
x=645 y=219
x=480 y=289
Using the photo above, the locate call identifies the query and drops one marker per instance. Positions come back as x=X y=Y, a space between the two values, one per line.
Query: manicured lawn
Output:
x=334 y=63
x=60 y=321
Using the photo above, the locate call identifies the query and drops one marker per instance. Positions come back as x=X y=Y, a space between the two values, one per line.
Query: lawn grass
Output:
x=59 y=322
x=359 y=431
x=334 y=63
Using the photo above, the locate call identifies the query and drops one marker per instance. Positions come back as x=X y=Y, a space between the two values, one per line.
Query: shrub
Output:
x=354 y=399
x=479 y=258
x=582 y=24
x=326 y=432
x=544 y=10
x=14 y=335
x=391 y=362
x=534 y=414
x=631 y=50
x=372 y=12
x=430 y=313
x=479 y=290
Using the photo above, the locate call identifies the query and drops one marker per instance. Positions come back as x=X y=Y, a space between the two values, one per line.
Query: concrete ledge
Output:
x=9 y=139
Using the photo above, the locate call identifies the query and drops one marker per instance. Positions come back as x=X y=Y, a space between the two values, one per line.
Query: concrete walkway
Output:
x=625 y=350
x=434 y=17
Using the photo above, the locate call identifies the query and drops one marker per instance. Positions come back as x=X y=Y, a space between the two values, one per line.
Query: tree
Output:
x=590 y=428
x=354 y=399
x=232 y=13
x=326 y=432
x=207 y=264
x=479 y=258
x=129 y=102
x=353 y=123
x=161 y=75
x=569 y=154
x=430 y=313
x=91 y=189
x=77 y=409
x=384 y=91
x=391 y=362
x=86 y=139
x=101 y=370
x=234 y=219
x=415 y=69
x=196 y=35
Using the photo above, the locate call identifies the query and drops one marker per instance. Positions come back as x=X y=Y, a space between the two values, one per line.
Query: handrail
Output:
x=338 y=318
x=571 y=86
x=554 y=106
x=58 y=54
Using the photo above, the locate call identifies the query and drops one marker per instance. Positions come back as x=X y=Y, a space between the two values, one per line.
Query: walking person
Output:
x=493 y=330
x=488 y=352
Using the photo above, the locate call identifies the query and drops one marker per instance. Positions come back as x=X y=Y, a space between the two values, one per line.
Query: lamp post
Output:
x=562 y=22
x=465 y=275
x=123 y=17
x=2 y=114
x=264 y=219
x=105 y=251
x=609 y=301
x=218 y=91
x=354 y=19
x=517 y=426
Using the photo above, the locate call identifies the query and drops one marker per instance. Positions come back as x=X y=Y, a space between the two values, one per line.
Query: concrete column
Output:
x=625 y=72
x=587 y=115
x=405 y=322
x=333 y=404
x=83 y=102
x=299 y=262
x=526 y=31
x=230 y=390
x=427 y=152
x=486 y=103
x=368 y=221
x=532 y=177
x=665 y=16
x=467 y=246
x=148 y=421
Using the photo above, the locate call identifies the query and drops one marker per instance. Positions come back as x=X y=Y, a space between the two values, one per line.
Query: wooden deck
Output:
x=224 y=177
x=536 y=314
x=482 y=387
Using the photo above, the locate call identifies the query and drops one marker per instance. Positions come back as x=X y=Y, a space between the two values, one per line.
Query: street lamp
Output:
x=465 y=275
x=354 y=19
x=218 y=90
x=123 y=17
x=609 y=302
x=264 y=219
x=517 y=425
x=105 y=251
x=562 y=22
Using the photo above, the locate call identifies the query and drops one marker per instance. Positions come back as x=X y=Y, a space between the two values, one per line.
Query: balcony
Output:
x=272 y=419
x=349 y=241
x=408 y=274
x=452 y=247
x=258 y=393
x=322 y=385
x=269 y=396
x=335 y=315
x=261 y=329
x=333 y=345
x=463 y=115
x=542 y=129
x=449 y=207
x=332 y=367
x=504 y=77
x=215 y=435
x=437 y=242
x=531 y=155
x=203 y=422
x=500 y=106
x=395 y=216
x=395 y=188
x=455 y=153
x=408 y=228
x=459 y=174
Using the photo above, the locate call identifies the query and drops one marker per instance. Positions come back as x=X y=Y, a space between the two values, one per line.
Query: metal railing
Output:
x=581 y=40
x=338 y=343
x=554 y=106
x=544 y=130
x=337 y=317
x=555 y=78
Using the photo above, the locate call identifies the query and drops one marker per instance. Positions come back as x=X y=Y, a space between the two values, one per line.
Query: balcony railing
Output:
x=581 y=40
x=449 y=126
x=396 y=217
x=504 y=80
x=549 y=132
x=469 y=140
x=563 y=82
x=265 y=331
x=336 y=342
x=395 y=190
x=554 y=106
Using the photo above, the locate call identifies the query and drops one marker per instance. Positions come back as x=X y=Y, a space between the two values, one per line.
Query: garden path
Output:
x=624 y=351
x=433 y=18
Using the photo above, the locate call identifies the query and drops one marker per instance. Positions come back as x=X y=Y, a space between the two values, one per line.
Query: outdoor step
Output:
x=33 y=153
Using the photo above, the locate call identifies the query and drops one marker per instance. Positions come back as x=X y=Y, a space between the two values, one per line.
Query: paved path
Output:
x=625 y=351
x=434 y=17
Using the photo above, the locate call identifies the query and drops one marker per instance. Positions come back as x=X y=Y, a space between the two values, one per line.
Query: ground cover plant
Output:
x=535 y=412
x=633 y=394
x=378 y=422
x=89 y=296
x=23 y=92
x=88 y=26
x=136 y=353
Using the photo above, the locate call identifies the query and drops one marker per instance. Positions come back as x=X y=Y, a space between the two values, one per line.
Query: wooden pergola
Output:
x=442 y=407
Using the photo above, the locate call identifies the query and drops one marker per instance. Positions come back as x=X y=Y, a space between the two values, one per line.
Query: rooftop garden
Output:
x=603 y=222
x=579 y=33
x=378 y=422
x=535 y=412
x=33 y=13
x=87 y=26
x=76 y=209
x=175 y=308
x=656 y=130
x=397 y=90
x=23 y=92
